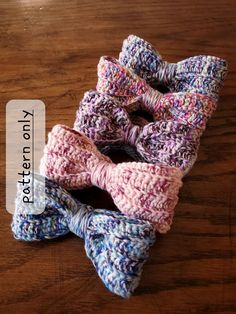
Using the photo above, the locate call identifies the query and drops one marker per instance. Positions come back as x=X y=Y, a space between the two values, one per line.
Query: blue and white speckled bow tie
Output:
x=199 y=74
x=117 y=245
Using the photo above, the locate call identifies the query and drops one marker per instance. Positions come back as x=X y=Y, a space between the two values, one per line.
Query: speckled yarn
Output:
x=139 y=190
x=105 y=121
x=118 y=246
x=188 y=108
x=199 y=74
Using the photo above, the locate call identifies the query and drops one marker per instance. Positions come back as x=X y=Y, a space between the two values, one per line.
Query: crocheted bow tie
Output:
x=189 y=108
x=139 y=190
x=101 y=118
x=117 y=245
x=199 y=74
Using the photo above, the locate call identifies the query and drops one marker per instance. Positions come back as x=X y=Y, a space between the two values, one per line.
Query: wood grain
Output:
x=49 y=50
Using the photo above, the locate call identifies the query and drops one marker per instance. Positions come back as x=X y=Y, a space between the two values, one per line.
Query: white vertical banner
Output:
x=25 y=140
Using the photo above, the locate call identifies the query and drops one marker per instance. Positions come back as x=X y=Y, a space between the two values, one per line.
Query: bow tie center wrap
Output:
x=106 y=122
x=139 y=190
x=117 y=245
x=192 y=109
x=198 y=74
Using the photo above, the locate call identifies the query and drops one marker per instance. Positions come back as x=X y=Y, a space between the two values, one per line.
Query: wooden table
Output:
x=49 y=50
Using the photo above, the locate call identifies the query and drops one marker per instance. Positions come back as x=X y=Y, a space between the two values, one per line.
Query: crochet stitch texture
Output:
x=188 y=108
x=139 y=190
x=106 y=122
x=199 y=74
x=118 y=246
x=145 y=192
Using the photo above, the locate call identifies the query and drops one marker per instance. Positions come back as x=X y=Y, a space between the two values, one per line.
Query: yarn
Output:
x=145 y=192
x=199 y=74
x=118 y=246
x=106 y=122
x=192 y=109
x=139 y=190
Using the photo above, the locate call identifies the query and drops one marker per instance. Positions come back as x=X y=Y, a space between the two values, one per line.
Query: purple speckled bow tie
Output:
x=106 y=122
x=199 y=74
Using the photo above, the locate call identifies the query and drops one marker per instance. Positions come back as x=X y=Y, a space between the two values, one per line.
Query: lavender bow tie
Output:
x=105 y=121
x=117 y=245
x=199 y=74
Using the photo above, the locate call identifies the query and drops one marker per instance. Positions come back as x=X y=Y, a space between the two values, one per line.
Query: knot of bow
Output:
x=188 y=108
x=199 y=74
x=139 y=190
x=106 y=122
x=118 y=246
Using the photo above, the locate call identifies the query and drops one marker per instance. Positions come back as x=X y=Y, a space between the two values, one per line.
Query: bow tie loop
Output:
x=60 y=161
x=139 y=55
x=116 y=80
x=104 y=120
x=170 y=143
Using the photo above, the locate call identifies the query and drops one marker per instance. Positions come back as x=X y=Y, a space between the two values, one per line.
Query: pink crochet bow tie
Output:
x=102 y=119
x=139 y=190
x=199 y=74
x=189 y=108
